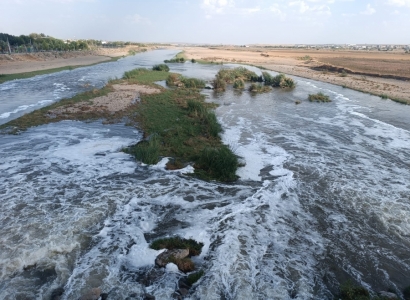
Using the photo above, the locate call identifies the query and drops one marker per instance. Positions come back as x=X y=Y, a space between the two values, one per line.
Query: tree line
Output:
x=35 y=42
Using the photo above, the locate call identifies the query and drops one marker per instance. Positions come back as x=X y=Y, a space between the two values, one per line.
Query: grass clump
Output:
x=348 y=291
x=219 y=84
x=177 y=242
x=267 y=78
x=146 y=151
x=258 y=88
x=230 y=75
x=193 y=60
x=282 y=81
x=194 y=277
x=176 y=80
x=146 y=76
x=319 y=97
x=220 y=163
x=384 y=96
x=239 y=84
x=179 y=58
x=161 y=67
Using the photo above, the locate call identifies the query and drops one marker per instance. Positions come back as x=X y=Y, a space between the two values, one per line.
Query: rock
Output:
x=104 y=296
x=171 y=256
x=388 y=295
x=57 y=293
x=94 y=294
x=149 y=297
x=185 y=265
x=183 y=292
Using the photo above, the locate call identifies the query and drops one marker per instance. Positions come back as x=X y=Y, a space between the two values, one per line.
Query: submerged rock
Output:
x=57 y=293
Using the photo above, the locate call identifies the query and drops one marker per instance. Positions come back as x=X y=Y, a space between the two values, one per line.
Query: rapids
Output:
x=324 y=196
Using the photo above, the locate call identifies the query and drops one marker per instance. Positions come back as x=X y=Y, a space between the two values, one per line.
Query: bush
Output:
x=193 y=61
x=161 y=67
x=229 y=75
x=173 y=79
x=319 y=97
x=267 y=78
x=177 y=242
x=259 y=88
x=180 y=81
x=193 y=83
x=239 y=84
x=219 y=84
x=282 y=81
x=135 y=73
x=221 y=163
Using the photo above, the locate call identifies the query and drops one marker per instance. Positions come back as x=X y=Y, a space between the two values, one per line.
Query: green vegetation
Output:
x=179 y=58
x=219 y=84
x=218 y=163
x=283 y=82
x=319 y=97
x=177 y=242
x=348 y=291
x=176 y=80
x=306 y=58
x=146 y=151
x=258 y=88
x=144 y=76
x=343 y=74
x=239 y=84
x=161 y=67
x=267 y=78
x=193 y=60
x=8 y=77
x=230 y=75
x=384 y=96
x=180 y=124
x=194 y=277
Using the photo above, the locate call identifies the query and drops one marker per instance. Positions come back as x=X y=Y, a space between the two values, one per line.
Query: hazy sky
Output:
x=212 y=21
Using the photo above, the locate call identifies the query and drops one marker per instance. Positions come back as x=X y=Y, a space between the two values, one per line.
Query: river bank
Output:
x=26 y=65
x=370 y=67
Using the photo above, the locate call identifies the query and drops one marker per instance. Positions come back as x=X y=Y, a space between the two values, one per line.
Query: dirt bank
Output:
x=307 y=63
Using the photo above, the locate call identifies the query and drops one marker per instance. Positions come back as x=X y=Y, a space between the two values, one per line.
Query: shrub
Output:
x=193 y=61
x=267 y=78
x=229 y=75
x=259 y=88
x=173 y=79
x=161 y=67
x=193 y=83
x=319 y=97
x=213 y=127
x=180 y=81
x=282 y=81
x=384 y=96
x=135 y=73
x=239 y=84
x=177 y=242
x=220 y=163
x=196 y=108
x=219 y=84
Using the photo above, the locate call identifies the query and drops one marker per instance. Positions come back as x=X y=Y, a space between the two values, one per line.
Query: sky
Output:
x=213 y=21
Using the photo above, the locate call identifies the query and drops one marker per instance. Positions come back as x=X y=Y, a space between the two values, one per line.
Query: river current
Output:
x=323 y=198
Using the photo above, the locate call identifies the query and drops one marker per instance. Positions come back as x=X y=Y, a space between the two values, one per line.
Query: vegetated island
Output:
x=176 y=122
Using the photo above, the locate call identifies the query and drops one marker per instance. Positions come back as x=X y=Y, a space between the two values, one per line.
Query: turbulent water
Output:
x=323 y=198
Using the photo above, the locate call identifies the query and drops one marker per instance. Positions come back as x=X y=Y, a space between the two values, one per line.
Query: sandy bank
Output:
x=21 y=63
x=300 y=63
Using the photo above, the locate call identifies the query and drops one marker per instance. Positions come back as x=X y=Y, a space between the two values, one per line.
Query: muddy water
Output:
x=323 y=198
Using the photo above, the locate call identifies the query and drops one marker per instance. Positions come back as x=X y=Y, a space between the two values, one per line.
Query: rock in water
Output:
x=171 y=256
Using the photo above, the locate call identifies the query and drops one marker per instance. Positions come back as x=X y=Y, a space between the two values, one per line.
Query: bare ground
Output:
x=302 y=63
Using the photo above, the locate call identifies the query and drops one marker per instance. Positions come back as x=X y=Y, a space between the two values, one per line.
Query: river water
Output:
x=323 y=198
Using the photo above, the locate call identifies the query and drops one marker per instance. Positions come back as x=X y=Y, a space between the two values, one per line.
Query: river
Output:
x=323 y=198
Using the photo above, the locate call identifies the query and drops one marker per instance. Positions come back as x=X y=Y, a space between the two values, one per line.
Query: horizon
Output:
x=225 y=22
